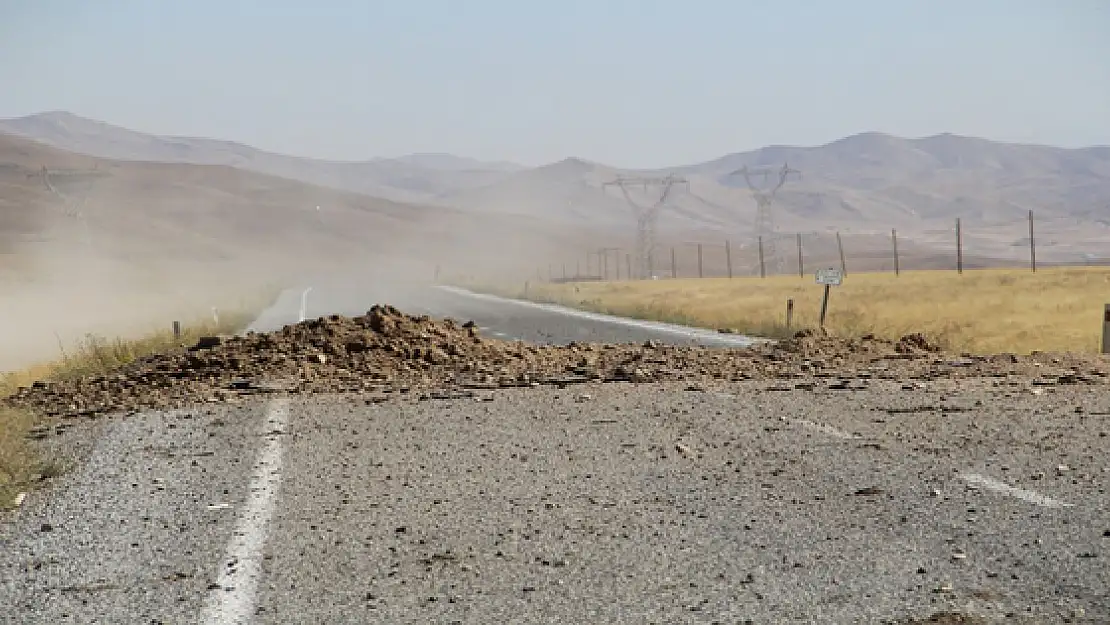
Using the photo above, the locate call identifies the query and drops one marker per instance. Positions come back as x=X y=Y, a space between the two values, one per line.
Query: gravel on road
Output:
x=387 y=351
x=433 y=474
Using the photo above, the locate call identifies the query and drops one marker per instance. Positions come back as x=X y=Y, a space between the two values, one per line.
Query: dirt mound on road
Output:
x=386 y=351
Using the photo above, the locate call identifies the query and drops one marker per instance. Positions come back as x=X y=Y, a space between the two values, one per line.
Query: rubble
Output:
x=386 y=351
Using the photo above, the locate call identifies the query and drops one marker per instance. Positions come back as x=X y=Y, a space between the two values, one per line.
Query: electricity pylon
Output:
x=72 y=187
x=647 y=217
x=764 y=215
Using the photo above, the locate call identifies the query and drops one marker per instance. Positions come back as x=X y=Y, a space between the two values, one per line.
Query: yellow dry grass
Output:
x=982 y=311
x=21 y=466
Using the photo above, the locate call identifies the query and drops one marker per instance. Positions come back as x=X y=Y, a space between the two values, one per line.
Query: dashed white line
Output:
x=233 y=601
x=820 y=427
x=1013 y=491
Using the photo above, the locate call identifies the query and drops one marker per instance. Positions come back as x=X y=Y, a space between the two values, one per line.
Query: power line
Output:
x=647 y=217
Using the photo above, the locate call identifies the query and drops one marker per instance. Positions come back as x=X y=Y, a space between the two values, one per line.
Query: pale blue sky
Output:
x=631 y=83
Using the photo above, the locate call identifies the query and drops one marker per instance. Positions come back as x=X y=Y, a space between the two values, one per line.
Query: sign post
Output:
x=829 y=278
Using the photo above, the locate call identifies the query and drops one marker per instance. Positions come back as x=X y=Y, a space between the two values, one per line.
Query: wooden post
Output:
x=628 y=260
x=959 y=248
x=525 y=288
x=789 y=313
x=674 y=265
x=1032 y=245
x=728 y=258
x=176 y=329
x=700 y=273
x=840 y=246
x=564 y=272
x=589 y=270
x=801 y=265
x=824 y=305
x=604 y=265
x=894 y=239
x=617 y=266
x=1106 y=329
x=762 y=266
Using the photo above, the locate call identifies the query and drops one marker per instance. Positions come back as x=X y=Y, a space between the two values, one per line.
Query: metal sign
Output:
x=829 y=277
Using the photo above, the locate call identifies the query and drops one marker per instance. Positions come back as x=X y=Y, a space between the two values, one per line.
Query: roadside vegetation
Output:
x=980 y=311
x=22 y=466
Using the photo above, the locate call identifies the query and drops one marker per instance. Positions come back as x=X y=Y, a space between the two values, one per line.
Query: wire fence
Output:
x=1022 y=243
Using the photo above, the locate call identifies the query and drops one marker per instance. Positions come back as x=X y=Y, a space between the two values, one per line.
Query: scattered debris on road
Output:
x=387 y=351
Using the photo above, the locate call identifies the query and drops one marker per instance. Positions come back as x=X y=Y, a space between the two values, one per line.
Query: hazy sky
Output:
x=632 y=83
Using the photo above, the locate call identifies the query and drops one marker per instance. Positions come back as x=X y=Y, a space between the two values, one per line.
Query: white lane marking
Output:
x=821 y=427
x=233 y=601
x=655 y=326
x=304 y=304
x=1013 y=491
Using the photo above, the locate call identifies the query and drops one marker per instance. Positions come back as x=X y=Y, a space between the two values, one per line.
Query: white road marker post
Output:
x=304 y=305
x=828 y=277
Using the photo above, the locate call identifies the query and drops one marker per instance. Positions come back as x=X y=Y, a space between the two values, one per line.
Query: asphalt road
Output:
x=591 y=504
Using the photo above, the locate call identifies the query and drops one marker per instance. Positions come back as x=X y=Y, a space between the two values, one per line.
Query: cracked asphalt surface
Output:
x=593 y=503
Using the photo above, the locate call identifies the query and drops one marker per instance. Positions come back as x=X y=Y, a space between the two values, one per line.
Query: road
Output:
x=607 y=503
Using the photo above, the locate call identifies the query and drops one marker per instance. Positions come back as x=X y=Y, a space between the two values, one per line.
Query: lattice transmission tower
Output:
x=72 y=187
x=764 y=196
x=647 y=217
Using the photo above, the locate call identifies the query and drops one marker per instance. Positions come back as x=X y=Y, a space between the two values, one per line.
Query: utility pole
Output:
x=647 y=216
x=764 y=216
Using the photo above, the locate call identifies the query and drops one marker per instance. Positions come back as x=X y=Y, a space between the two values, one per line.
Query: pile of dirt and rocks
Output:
x=386 y=351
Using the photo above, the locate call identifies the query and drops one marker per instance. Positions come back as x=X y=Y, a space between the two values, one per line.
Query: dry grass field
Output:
x=21 y=467
x=981 y=311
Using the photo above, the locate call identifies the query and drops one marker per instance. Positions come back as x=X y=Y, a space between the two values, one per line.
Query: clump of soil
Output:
x=387 y=351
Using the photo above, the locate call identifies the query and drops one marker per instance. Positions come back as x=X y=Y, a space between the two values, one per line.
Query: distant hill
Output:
x=412 y=178
x=865 y=184
x=868 y=183
x=71 y=213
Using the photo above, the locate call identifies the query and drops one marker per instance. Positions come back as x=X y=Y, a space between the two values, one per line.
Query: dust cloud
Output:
x=149 y=249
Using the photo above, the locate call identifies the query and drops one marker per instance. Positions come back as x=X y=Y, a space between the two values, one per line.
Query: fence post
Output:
x=176 y=329
x=801 y=265
x=959 y=248
x=701 y=274
x=1032 y=245
x=728 y=258
x=628 y=262
x=674 y=265
x=840 y=246
x=762 y=266
x=894 y=238
x=789 y=313
x=1106 y=329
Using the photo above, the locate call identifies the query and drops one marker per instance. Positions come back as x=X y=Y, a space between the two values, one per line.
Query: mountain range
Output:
x=868 y=183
